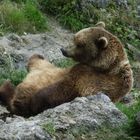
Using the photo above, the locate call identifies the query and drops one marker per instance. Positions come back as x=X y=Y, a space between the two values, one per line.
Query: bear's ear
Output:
x=100 y=24
x=102 y=42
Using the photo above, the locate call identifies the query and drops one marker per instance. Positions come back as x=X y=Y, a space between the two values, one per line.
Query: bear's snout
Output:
x=64 y=52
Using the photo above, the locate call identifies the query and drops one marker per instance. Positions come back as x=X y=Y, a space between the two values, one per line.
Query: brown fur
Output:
x=6 y=92
x=103 y=66
x=41 y=74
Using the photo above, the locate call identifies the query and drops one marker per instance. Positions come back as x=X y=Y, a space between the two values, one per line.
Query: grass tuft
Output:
x=64 y=63
x=20 y=18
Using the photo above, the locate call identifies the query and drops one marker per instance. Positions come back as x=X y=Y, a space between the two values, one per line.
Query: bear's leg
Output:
x=32 y=60
x=54 y=95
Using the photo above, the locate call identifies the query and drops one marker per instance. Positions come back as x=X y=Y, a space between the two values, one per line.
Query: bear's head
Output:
x=95 y=46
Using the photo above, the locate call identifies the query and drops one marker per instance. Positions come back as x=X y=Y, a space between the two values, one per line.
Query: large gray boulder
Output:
x=88 y=113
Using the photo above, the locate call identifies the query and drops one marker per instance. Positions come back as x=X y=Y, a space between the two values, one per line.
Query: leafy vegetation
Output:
x=8 y=70
x=120 y=20
x=15 y=76
x=112 y=134
x=84 y=133
x=130 y=111
x=49 y=127
x=64 y=63
x=20 y=18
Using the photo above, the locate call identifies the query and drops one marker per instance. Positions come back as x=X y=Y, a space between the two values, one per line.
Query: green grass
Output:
x=15 y=76
x=130 y=111
x=112 y=134
x=49 y=127
x=64 y=63
x=8 y=70
x=20 y=18
x=34 y=16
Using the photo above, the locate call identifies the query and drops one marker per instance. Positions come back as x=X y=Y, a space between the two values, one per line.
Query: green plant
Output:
x=7 y=69
x=103 y=133
x=49 y=127
x=36 y=18
x=106 y=133
x=11 y=17
x=130 y=112
x=21 y=17
x=65 y=12
x=15 y=76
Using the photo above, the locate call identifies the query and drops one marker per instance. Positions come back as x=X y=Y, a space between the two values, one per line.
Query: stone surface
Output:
x=89 y=112
x=3 y=110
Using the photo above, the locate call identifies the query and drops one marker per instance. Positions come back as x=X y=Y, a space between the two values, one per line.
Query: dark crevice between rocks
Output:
x=5 y=115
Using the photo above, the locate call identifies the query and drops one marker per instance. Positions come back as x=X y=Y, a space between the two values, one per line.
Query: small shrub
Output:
x=130 y=111
x=20 y=17
x=7 y=69
x=15 y=76
x=11 y=17
x=36 y=18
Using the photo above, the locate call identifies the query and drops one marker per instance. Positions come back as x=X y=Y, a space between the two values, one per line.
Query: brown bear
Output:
x=103 y=66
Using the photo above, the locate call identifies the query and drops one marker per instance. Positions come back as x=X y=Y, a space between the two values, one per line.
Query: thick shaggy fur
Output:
x=103 y=66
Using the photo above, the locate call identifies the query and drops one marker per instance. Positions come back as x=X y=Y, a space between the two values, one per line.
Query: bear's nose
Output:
x=64 y=52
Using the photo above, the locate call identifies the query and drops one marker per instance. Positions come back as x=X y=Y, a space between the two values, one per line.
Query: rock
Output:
x=20 y=129
x=3 y=110
x=87 y=113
